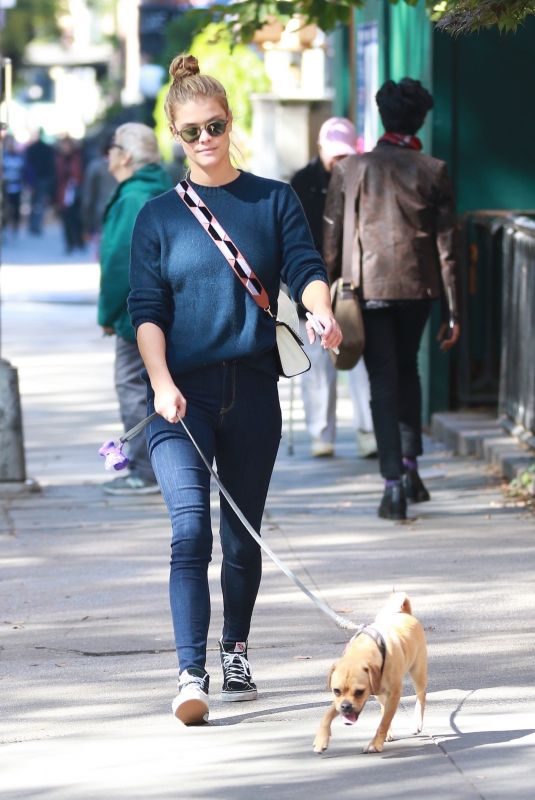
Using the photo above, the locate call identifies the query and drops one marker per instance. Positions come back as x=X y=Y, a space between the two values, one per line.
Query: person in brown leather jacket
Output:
x=404 y=258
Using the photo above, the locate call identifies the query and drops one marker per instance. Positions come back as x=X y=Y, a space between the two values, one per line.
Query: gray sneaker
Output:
x=366 y=444
x=130 y=485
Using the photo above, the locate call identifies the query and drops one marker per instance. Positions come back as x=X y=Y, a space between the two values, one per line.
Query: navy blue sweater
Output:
x=181 y=282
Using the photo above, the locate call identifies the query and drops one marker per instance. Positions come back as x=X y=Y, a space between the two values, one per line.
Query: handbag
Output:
x=291 y=356
x=345 y=291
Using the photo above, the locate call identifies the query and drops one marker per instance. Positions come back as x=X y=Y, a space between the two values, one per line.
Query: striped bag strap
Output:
x=224 y=243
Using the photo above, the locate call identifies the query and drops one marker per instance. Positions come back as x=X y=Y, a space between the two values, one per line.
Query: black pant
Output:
x=392 y=341
x=72 y=227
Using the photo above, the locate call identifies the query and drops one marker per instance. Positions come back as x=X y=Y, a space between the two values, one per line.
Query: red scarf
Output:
x=402 y=140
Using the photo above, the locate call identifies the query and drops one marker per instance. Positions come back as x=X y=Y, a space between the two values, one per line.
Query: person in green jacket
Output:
x=134 y=161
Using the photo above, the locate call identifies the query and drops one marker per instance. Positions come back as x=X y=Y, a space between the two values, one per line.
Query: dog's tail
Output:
x=399 y=602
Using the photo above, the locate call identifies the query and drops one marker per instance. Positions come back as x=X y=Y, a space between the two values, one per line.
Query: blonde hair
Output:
x=188 y=84
x=140 y=142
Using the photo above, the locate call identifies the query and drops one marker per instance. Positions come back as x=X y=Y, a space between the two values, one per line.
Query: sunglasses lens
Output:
x=217 y=128
x=190 y=134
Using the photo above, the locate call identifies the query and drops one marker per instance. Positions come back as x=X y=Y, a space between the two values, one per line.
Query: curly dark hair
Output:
x=403 y=106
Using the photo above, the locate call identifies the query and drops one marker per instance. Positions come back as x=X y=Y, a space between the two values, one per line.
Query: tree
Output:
x=464 y=16
x=453 y=16
x=28 y=20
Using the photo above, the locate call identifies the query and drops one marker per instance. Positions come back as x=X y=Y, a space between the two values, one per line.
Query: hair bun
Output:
x=182 y=67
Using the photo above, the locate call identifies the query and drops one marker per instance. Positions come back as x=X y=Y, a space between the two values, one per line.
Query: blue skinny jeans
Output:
x=233 y=412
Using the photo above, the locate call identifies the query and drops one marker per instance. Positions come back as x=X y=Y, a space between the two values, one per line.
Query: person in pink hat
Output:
x=337 y=139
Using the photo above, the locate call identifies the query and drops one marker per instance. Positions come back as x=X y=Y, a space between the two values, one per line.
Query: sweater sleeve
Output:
x=150 y=298
x=301 y=262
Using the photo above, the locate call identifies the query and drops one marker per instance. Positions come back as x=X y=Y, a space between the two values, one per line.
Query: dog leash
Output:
x=137 y=428
x=341 y=621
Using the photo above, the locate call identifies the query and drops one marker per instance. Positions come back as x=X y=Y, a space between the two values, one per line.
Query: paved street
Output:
x=87 y=664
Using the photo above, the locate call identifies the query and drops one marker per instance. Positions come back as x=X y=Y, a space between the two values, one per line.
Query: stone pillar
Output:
x=12 y=463
x=285 y=133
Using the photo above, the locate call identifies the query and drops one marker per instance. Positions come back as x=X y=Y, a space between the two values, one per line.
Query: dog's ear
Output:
x=375 y=679
x=329 y=676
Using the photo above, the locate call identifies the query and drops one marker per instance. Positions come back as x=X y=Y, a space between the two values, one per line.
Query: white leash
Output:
x=342 y=622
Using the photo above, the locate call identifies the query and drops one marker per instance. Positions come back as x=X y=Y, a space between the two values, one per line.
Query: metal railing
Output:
x=517 y=370
x=478 y=364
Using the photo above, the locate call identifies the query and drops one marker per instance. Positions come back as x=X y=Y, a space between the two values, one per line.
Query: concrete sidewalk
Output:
x=87 y=662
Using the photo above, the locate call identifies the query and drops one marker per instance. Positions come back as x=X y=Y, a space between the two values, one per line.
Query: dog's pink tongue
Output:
x=350 y=719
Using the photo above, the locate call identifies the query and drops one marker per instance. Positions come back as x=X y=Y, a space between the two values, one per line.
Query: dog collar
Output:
x=374 y=634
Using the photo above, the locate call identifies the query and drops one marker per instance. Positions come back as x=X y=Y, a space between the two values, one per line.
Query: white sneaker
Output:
x=322 y=449
x=366 y=444
x=190 y=706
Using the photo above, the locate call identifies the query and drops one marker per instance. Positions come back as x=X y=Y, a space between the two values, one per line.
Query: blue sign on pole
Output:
x=367 y=83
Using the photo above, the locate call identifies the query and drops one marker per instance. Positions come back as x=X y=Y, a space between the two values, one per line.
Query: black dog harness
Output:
x=374 y=634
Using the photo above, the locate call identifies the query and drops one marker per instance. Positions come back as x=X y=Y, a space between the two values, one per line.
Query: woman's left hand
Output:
x=331 y=336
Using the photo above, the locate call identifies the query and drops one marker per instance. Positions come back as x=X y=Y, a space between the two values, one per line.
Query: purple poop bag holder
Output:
x=113 y=453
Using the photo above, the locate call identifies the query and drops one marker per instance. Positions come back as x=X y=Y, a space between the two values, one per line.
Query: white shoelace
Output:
x=236 y=667
x=193 y=679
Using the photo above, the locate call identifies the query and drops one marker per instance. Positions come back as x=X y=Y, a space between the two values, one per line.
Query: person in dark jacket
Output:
x=69 y=175
x=134 y=161
x=12 y=179
x=97 y=188
x=405 y=257
x=40 y=176
x=337 y=139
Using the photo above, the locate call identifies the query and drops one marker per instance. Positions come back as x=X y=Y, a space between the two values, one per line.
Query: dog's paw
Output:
x=321 y=743
x=389 y=737
x=373 y=747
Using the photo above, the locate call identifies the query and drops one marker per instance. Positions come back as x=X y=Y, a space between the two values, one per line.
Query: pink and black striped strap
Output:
x=222 y=240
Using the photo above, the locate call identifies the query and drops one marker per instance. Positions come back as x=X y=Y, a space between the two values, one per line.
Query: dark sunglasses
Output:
x=193 y=132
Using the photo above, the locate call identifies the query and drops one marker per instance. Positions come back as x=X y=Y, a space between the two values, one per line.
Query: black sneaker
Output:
x=393 y=504
x=190 y=706
x=237 y=679
x=415 y=491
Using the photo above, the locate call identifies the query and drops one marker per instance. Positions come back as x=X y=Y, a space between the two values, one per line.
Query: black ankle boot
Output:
x=415 y=491
x=393 y=504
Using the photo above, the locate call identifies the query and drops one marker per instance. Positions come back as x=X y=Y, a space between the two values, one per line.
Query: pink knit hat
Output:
x=338 y=137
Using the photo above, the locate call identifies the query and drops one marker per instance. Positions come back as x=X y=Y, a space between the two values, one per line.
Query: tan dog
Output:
x=375 y=662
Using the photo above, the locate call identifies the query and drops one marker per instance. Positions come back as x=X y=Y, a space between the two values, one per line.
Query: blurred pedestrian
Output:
x=177 y=166
x=40 y=176
x=405 y=231
x=98 y=186
x=210 y=356
x=337 y=139
x=12 y=182
x=134 y=162
x=69 y=173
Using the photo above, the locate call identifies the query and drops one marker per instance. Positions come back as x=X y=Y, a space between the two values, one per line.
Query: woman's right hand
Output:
x=169 y=403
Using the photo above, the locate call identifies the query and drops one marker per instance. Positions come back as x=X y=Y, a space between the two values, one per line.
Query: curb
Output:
x=481 y=435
